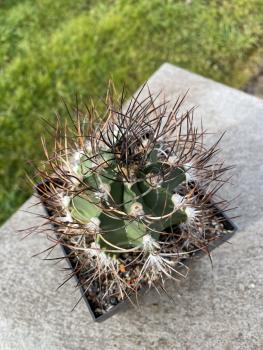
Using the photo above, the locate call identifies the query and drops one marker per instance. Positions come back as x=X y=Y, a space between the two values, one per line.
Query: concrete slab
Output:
x=219 y=308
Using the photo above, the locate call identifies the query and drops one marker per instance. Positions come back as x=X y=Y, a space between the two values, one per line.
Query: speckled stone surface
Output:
x=219 y=308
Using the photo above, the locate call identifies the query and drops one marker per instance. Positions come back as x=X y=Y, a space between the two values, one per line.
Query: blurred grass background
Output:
x=56 y=48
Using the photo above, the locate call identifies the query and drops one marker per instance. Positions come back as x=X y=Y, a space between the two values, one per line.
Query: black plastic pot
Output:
x=228 y=224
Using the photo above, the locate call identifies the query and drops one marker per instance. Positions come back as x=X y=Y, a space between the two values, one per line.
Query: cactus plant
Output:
x=130 y=195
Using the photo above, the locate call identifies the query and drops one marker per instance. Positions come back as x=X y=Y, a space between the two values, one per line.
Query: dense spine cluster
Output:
x=132 y=193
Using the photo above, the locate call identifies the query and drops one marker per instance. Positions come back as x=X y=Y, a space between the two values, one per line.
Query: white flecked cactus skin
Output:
x=132 y=192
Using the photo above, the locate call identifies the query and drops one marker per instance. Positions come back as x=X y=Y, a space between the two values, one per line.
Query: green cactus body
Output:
x=128 y=211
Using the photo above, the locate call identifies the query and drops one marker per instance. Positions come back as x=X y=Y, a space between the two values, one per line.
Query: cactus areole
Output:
x=131 y=195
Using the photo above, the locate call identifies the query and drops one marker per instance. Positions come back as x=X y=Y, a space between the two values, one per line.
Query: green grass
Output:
x=52 y=48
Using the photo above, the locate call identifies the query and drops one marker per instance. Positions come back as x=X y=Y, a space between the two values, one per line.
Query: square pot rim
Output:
x=232 y=228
